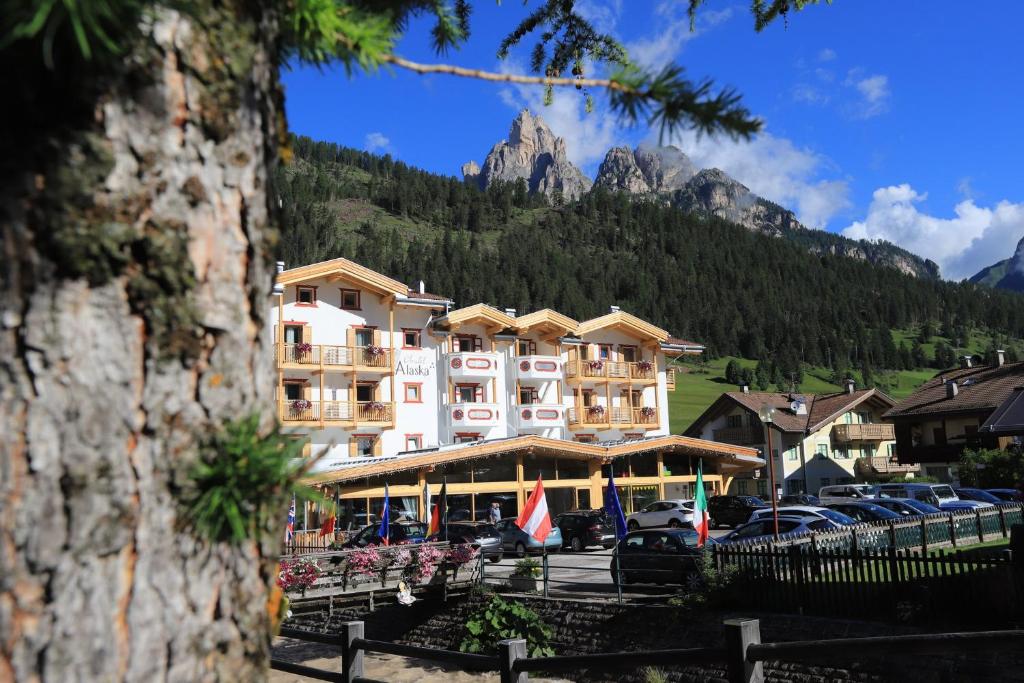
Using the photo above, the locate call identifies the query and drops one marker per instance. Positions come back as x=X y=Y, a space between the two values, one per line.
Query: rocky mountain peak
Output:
x=1007 y=274
x=645 y=170
x=535 y=154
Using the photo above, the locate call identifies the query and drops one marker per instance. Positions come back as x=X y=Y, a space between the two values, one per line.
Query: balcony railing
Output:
x=670 y=379
x=739 y=436
x=542 y=368
x=540 y=416
x=884 y=465
x=361 y=412
x=863 y=432
x=327 y=355
x=614 y=417
x=474 y=414
x=621 y=371
x=471 y=365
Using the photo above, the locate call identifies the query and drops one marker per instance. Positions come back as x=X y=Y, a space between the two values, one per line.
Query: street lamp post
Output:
x=767 y=415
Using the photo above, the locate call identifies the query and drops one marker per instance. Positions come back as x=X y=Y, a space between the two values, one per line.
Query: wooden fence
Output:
x=907 y=585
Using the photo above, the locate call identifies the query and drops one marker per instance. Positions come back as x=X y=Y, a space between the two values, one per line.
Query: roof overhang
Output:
x=491 y=318
x=676 y=350
x=624 y=322
x=732 y=458
x=546 y=322
x=343 y=270
x=1008 y=419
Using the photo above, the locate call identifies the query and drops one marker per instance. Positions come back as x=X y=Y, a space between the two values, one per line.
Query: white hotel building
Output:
x=393 y=384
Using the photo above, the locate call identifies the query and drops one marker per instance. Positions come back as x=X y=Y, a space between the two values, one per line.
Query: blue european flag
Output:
x=385 y=519
x=614 y=508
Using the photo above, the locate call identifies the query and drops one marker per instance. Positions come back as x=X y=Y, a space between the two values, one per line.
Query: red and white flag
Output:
x=534 y=519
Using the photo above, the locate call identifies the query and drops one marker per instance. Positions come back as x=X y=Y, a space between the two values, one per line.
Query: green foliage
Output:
x=244 y=478
x=97 y=27
x=528 y=567
x=718 y=586
x=991 y=468
x=652 y=674
x=499 y=619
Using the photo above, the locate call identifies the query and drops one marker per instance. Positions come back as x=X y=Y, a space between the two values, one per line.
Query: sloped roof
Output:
x=625 y=322
x=979 y=390
x=417 y=294
x=343 y=269
x=1008 y=420
x=546 y=318
x=729 y=456
x=821 y=408
x=477 y=313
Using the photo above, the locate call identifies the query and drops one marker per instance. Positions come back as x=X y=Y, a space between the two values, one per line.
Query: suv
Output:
x=732 y=510
x=660 y=513
x=845 y=493
x=933 y=494
x=584 y=528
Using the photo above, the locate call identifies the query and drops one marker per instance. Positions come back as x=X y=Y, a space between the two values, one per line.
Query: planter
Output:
x=523 y=584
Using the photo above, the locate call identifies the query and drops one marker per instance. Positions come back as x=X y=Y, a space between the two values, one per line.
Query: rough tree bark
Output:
x=136 y=274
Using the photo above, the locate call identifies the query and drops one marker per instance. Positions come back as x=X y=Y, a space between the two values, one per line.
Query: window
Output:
x=410 y=339
x=466 y=437
x=604 y=351
x=465 y=342
x=413 y=442
x=413 y=392
x=365 y=391
x=293 y=390
x=775 y=453
x=351 y=299
x=865 y=418
x=822 y=450
x=526 y=347
x=528 y=396
x=305 y=296
x=293 y=334
x=628 y=353
x=867 y=450
x=585 y=438
x=970 y=430
x=939 y=436
x=892 y=451
x=589 y=398
x=841 y=453
x=363 y=336
x=791 y=453
x=469 y=393
x=734 y=421
x=365 y=444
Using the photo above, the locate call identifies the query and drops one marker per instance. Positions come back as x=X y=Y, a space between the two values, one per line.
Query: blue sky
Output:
x=884 y=120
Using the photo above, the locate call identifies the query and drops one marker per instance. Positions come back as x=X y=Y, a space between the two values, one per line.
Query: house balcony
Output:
x=473 y=414
x=540 y=416
x=337 y=413
x=884 y=465
x=539 y=368
x=601 y=417
x=670 y=379
x=844 y=433
x=471 y=365
x=638 y=372
x=327 y=357
x=739 y=436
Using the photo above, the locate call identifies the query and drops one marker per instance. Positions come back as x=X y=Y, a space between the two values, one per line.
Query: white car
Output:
x=846 y=493
x=662 y=513
x=804 y=512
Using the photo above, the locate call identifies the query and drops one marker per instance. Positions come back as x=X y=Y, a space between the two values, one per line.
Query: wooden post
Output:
x=351 y=658
x=952 y=530
x=977 y=520
x=739 y=635
x=1002 y=521
x=924 y=535
x=508 y=652
x=892 y=534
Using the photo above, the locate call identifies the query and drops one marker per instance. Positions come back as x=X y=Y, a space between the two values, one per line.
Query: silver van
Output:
x=845 y=493
x=933 y=494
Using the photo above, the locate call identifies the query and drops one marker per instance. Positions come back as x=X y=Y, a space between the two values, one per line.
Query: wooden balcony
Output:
x=739 y=436
x=639 y=372
x=333 y=358
x=844 y=433
x=670 y=379
x=344 y=413
x=884 y=465
x=601 y=417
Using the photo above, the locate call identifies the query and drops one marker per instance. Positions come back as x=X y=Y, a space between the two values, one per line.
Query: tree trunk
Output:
x=136 y=276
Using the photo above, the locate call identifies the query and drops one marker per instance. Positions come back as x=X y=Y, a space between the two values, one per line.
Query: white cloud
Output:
x=377 y=142
x=776 y=169
x=808 y=94
x=975 y=237
x=663 y=46
x=827 y=55
x=602 y=14
x=874 y=93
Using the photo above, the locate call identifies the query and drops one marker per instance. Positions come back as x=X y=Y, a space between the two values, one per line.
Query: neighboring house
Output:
x=817 y=439
x=392 y=384
x=945 y=415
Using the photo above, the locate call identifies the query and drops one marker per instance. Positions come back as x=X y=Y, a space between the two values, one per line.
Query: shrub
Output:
x=499 y=619
x=528 y=567
x=717 y=586
x=991 y=468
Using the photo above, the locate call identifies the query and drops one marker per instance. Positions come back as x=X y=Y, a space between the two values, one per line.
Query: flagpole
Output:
x=444 y=509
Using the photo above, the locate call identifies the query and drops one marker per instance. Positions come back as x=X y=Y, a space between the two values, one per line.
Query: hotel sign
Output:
x=415 y=364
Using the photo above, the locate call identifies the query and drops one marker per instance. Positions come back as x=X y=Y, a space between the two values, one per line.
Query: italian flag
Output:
x=700 y=509
x=534 y=519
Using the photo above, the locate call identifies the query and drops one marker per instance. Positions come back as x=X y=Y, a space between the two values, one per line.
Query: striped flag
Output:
x=439 y=514
x=700 y=508
x=385 y=519
x=289 y=530
x=534 y=519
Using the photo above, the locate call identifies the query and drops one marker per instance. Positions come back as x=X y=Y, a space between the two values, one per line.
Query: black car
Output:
x=979 y=495
x=732 y=510
x=800 y=499
x=659 y=556
x=584 y=528
x=479 y=534
x=866 y=511
x=400 y=532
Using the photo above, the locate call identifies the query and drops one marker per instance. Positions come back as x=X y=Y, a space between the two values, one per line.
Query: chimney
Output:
x=1000 y=358
x=422 y=287
x=279 y=289
x=510 y=312
x=850 y=385
x=966 y=361
x=613 y=309
x=952 y=389
x=745 y=388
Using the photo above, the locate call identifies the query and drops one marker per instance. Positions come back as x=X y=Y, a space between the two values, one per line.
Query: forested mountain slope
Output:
x=741 y=293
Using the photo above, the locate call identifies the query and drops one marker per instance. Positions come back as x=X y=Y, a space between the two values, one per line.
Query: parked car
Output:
x=933 y=494
x=906 y=507
x=480 y=534
x=979 y=495
x=800 y=499
x=514 y=539
x=763 y=529
x=863 y=511
x=732 y=510
x=1007 y=495
x=400 y=532
x=583 y=528
x=809 y=512
x=659 y=556
x=963 y=505
x=661 y=513
x=843 y=493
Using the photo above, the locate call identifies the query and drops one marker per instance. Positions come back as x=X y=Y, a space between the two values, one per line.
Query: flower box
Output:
x=301 y=406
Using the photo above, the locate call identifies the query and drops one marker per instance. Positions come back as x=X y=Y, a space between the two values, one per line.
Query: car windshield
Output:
x=880 y=511
x=984 y=496
x=751 y=500
x=944 y=492
x=411 y=529
x=922 y=507
x=837 y=517
x=688 y=537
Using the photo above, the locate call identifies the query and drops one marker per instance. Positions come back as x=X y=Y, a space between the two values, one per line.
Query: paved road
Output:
x=578 y=573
